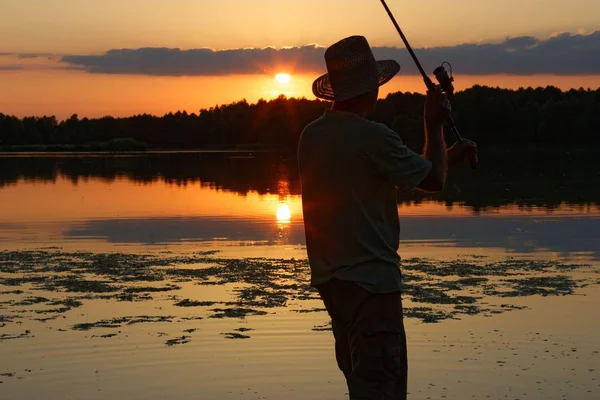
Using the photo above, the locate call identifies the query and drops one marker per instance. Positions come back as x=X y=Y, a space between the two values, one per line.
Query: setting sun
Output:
x=283 y=78
x=283 y=213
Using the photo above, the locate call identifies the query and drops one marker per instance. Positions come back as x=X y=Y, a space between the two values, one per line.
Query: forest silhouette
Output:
x=490 y=116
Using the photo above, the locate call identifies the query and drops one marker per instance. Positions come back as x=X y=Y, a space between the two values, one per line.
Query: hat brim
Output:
x=322 y=85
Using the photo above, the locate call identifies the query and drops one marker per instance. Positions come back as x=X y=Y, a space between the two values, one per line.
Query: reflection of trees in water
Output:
x=240 y=173
x=525 y=178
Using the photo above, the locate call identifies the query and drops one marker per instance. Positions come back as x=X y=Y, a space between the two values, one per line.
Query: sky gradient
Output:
x=131 y=56
x=91 y=26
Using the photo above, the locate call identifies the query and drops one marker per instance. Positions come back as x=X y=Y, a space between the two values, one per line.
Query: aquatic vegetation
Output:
x=235 y=312
x=322 y=328
x=180 y=340
x=118 y=322
x=192 y=303
x=151 y=289
x=8 y=336
x=234 y=335
x=437 y=290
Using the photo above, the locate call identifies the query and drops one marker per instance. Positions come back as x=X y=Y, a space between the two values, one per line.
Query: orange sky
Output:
x=91 y=27
x=63 y=93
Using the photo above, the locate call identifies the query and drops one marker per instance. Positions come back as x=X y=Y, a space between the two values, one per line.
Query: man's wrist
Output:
x=433 y=128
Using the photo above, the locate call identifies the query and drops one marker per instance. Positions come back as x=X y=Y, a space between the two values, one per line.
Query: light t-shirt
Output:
x=349 y=170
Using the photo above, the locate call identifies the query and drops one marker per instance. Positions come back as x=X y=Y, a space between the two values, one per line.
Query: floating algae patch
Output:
x=544 y=286
x=12 y=292
x=151 y=289
x=31 y=300
x=310 y=310
x=46 y=319
x=10 y=336
x=235 y=335
x=193 y=303
x=68 y=302
x=22 y=280
x=112 y=323
x=322 y=328
x=513 y=307
x=133 y=297
x=76 y=283
x=190 y=318
x=469 y=309
x=443 y=289
x=266 y=297
x=105 y=336
x=473 y=268
x=427 y=314
x=433 y=295
x=180 y=340
x=460 y=284
x=119 y=322
x=53 y=310
x=235 y=312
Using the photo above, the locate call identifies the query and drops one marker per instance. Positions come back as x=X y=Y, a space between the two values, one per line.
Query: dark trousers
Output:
x=370 y=342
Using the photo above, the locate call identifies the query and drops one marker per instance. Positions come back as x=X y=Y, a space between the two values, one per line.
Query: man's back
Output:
x=349 y=168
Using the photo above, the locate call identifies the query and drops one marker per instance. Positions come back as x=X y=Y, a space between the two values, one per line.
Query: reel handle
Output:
x=445 y=80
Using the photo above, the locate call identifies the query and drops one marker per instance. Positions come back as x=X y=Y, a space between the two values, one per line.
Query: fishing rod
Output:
x=442 y=74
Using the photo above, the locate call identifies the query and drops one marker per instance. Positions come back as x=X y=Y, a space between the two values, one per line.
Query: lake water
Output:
x=184 y=275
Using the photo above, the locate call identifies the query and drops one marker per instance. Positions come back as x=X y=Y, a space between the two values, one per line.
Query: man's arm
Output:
x=437 y=110
x=461 y=152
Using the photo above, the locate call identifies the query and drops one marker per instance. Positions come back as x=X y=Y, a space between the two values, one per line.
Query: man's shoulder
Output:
x=378 y=127
x=354 y=128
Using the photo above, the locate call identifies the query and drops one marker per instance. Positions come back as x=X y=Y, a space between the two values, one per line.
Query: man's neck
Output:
x=354 y=110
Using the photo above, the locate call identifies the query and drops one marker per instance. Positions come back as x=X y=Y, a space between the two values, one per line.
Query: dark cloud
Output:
x=560 y=54
x=520 y=42
x=11 y=67
x=24 y=56
x=165 y=61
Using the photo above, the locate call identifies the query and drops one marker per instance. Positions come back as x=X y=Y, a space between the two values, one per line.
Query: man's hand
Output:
x=461 y=152
x=437 y=107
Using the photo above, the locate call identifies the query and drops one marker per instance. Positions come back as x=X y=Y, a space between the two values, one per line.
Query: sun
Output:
x=283 y=213
x=283 y=78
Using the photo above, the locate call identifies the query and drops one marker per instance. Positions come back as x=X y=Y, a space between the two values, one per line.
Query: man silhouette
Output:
x=350 y=169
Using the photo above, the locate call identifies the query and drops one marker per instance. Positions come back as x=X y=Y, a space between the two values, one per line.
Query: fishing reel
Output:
x=443 y=74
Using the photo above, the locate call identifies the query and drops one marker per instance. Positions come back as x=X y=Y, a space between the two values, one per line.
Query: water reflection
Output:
x=284 y=214
x=165 y=199
x=526 y=179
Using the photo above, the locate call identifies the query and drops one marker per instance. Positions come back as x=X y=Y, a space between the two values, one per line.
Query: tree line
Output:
x=502 y=117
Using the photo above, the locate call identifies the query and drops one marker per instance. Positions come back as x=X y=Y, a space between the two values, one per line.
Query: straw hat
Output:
x=352 y=70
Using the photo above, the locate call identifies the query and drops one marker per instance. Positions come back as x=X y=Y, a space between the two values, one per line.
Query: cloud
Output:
x=571 y=54
x=11 y=67
x=24 y=56
x=562 y=53
x=166 y=61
